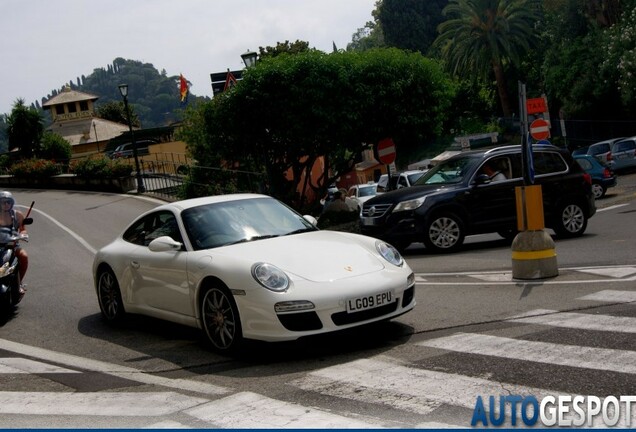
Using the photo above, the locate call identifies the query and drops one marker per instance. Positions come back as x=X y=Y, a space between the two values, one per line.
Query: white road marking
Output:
x=429 y=389
x=611 y=296
x=580 y=321
x=26 y=366
x=615 y=272
x=120 y=404
x=500 y=277
x=541 y=352
x=111 y=369
x=250 y=410
x=614 y=207
x=77 y=237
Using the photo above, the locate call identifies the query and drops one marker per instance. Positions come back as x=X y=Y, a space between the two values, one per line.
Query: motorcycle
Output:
x=10 y=294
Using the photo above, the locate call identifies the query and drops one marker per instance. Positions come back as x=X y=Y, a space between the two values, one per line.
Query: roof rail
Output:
x=502 y=148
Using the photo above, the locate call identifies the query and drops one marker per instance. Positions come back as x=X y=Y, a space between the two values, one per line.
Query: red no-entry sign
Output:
x=539 y=129
x=386 y=151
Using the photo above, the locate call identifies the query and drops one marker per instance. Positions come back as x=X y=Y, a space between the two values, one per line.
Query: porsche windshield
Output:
x=240 y=221
x=449 y=171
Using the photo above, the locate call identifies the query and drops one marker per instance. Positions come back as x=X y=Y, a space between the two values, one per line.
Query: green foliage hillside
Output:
x=153 y=95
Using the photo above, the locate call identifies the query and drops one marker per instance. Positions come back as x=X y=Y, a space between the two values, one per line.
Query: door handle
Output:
x=134 y=264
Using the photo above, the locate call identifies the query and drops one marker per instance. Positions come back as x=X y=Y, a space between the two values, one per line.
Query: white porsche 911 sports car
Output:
x=246 y=266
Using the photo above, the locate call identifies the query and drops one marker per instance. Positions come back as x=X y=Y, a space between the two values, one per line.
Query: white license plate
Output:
x=368 y=221
x=369 y=302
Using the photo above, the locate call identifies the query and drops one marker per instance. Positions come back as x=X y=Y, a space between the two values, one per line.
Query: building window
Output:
x=83 y=105
x=59 y=109
x=72 y=108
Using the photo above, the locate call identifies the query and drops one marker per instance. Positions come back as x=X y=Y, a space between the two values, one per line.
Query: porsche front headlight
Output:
x=270 y=276
x=389 y=253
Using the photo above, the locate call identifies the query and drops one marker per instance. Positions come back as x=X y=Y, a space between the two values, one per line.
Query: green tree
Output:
x=55 y=148
x=482 y=37
x=288 y=111
x=116 y=112
x=24 y=129
x=283 y=48
x=410 y=24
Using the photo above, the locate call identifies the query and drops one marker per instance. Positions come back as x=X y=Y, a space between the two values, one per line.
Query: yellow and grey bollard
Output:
x=533 y=252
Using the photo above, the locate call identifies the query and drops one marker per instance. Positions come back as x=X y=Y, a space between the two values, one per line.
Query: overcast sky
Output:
x=46 y=43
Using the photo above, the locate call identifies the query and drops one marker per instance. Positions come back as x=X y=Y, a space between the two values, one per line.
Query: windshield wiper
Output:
x=249 y=239
x=301 y=230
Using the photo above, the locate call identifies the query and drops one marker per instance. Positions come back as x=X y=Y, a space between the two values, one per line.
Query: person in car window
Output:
x=494 y=175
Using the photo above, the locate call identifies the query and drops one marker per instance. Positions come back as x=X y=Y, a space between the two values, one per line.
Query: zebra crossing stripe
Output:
x=119 y=404
x=248 y=410
x=128 y=373
x=581 y=321
x=17 y=365
x=411 y=389
x=611 y=296
x=541 y=352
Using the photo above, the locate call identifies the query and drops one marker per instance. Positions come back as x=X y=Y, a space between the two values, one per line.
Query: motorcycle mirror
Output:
x=27 y=221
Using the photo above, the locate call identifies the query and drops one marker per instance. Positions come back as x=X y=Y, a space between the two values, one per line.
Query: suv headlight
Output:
x=409 y=205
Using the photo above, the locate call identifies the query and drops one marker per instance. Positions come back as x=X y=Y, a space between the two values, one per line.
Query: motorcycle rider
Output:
x=11 y=218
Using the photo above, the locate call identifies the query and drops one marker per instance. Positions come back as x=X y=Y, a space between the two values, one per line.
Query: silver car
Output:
x=624 y=154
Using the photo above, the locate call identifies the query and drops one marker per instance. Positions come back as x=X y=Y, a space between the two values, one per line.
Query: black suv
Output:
x=457 y=198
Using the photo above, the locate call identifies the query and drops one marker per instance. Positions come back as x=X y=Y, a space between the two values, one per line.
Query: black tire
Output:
x=444 y=233
x=598 y=190
x=221 y=321
x=571 y=221
x=109 y=297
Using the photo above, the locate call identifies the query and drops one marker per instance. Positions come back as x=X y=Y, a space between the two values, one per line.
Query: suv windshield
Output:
x=449 y=171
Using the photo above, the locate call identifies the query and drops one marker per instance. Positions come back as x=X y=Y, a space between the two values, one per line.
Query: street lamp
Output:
x=123 y=89
x=249 y=58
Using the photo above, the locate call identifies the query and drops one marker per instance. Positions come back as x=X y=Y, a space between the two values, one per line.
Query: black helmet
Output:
x=6 y=195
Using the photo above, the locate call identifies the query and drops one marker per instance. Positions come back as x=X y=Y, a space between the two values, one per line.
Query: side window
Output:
x=402 y=181
x=152 y=226
x=584 y=163
x=548 y=163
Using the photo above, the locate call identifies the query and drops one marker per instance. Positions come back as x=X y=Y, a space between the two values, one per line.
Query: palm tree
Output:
x=482 y=36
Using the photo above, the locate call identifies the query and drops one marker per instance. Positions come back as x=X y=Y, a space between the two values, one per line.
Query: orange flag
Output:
x=183 y=89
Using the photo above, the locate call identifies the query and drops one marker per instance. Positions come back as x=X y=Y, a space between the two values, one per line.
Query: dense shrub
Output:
x=100 y=167
x=55 y=147
x=35 y=168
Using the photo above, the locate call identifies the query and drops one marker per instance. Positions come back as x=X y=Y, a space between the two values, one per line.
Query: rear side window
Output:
x=599 y=149
x=549 y=163
x=584 y=163
x=624 y=146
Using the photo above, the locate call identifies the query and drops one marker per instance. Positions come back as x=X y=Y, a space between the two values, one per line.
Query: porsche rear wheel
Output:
x=109 y=297
x=221 y=320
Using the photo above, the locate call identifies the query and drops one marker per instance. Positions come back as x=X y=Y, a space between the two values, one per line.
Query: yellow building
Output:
x=73 y=115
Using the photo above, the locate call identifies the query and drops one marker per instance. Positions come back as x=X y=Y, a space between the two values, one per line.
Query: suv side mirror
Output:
x=482 y=179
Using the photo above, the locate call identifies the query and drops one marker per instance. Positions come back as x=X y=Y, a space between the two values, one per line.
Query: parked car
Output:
x=400 y=180
x=602 y=176
x=126 y=150
x=602 y=151
x=246 y=266
x=454 y=199
x=361 y=193
x=624 y=154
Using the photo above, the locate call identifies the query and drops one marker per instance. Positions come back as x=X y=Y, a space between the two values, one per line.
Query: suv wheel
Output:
x=571 y=221
x=444 y=233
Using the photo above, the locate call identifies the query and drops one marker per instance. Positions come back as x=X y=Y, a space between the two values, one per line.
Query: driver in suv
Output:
x=457 y=198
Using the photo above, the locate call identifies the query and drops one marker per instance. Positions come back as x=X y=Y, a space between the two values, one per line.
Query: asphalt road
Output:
x=474 y=332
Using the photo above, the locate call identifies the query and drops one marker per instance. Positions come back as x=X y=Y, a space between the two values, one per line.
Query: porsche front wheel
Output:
x=221 y=320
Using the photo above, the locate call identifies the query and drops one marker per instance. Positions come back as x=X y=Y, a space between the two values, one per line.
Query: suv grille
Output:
x=377 y=210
